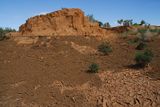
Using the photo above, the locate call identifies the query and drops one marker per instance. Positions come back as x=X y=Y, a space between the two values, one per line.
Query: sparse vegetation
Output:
x=94 y=68
x=141 y=46
x=92 y=19
x=100 y=23
x=142 y=33
x=142 y=22
x=106 y=25
x=129 y=22
x=4 y=31
x=120 y=21
x=143 y=58
x=62 y=59
x=125 y=22
x=105 y=48
x=155 y=32
x=133 y=41
x=136 y=24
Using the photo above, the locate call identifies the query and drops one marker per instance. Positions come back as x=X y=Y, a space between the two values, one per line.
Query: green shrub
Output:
x=125 y=22
x=128 y=33
x=141 y=46
x=120 y=21
x=142 y=31
x=93 y=68
x=128 y=23
x=143 y=22
x=142 y=34
x=2 y=34
x=136 y=24
x=105 y=48
x=155 y=30
x=100 y=23
x=106 y=25
x=143 y=58
x=133 y=41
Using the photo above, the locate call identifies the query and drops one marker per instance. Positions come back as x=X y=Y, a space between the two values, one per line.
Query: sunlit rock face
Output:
x=63 y=22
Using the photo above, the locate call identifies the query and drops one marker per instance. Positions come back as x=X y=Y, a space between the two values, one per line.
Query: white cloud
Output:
x=43 y=13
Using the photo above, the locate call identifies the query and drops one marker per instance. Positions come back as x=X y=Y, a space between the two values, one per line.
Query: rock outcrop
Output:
x=61 y=23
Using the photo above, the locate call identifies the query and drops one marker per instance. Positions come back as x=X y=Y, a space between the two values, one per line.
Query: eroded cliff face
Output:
x=61 y=23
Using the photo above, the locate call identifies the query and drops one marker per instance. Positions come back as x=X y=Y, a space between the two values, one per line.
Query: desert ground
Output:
x=53 y=71
x=37 y=75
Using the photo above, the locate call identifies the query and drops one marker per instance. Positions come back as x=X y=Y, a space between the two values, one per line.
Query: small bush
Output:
x=2 y=34
x=136 y=24
x=142 y=33
x=93 y=68
x=106 y=25
x=155 y=30
x=143 y=22
x=105 y=48
x=128 y=33
x=141 y=46
x=143 y=58
x=133 y=41
x=2 y=37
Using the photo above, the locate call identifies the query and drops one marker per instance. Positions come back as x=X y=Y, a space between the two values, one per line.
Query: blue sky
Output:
x=13 y=13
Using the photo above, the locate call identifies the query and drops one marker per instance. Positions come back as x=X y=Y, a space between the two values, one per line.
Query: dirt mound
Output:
x=62 y=22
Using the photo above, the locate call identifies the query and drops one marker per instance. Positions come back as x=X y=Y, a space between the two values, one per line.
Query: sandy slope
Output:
x=53 y=73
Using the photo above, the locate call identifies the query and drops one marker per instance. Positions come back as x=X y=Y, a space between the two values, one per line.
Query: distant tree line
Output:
x=122 y=22
x=130 y=23
x=4 y=31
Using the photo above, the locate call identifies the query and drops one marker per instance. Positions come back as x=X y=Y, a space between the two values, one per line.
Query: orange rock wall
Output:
x=61 y=23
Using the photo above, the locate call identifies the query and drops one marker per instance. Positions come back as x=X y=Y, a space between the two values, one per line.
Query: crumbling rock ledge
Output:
x=68 y=21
